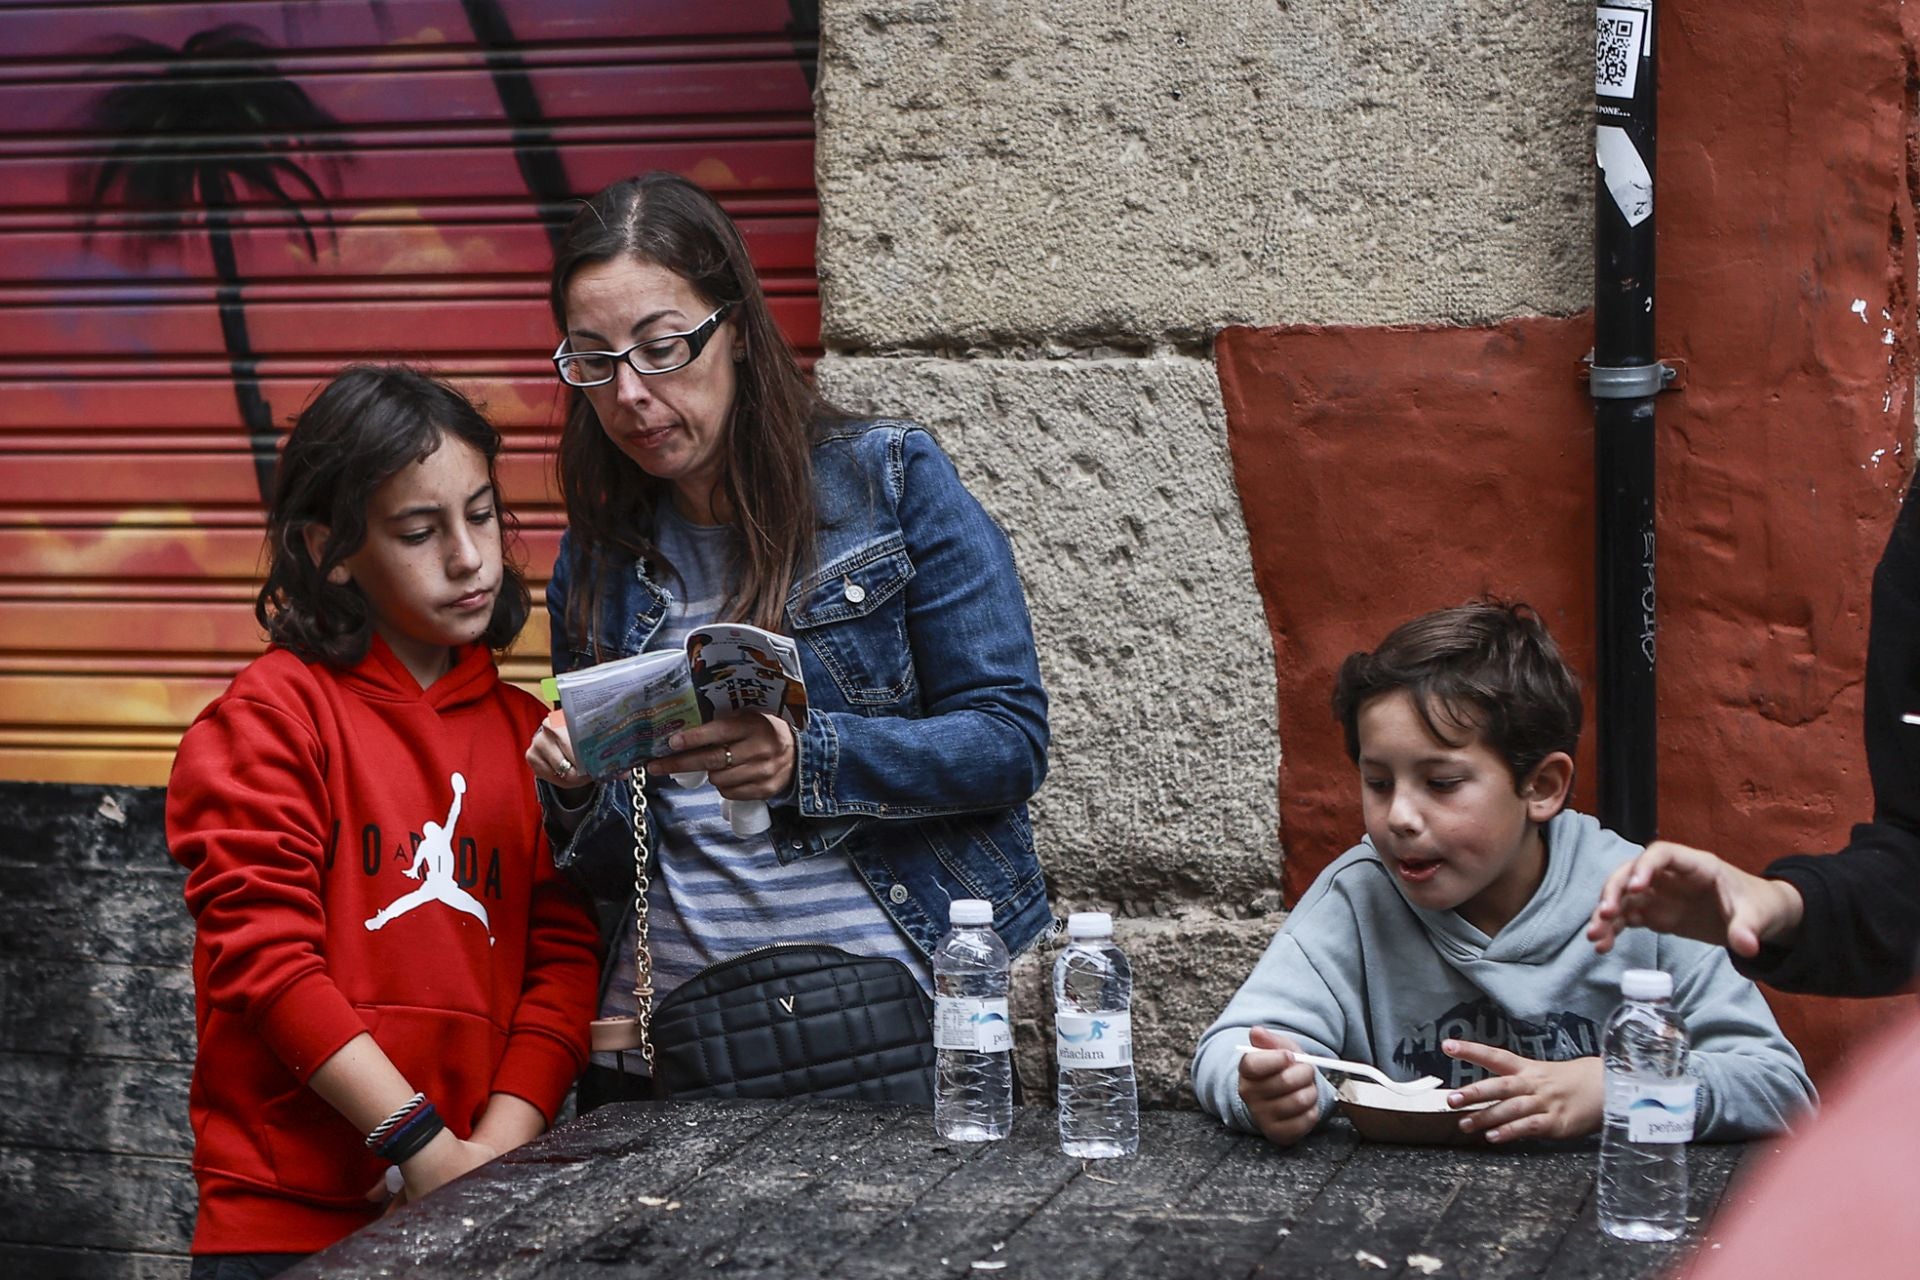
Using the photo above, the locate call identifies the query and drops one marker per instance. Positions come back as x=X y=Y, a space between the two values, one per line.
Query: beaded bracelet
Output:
x=420 y=1129
x=392 y=1122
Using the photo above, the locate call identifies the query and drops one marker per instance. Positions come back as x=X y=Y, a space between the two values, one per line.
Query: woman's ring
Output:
x=565 y=767
x=729 y=763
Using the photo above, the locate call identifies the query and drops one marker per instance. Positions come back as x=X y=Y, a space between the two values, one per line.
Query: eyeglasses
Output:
x=662 y=354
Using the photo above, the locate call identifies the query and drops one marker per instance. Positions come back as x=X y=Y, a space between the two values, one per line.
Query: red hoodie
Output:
x=300 y=801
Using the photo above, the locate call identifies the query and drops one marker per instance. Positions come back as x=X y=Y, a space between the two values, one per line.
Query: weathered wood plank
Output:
x=97 y=1010
x=1510 y=1216
x=548 y=1200
x=1112 y=1206
x=68 y=825
x=1389 y=1202
x=982 y=1202
x=112 y=1202
x=1234 y=1215
x=1588 y=1253
x=845 y=1190
x=818 y=1165
x=82 y=914
x=51 y=1262
x=130 y=1108
x=887 y=1180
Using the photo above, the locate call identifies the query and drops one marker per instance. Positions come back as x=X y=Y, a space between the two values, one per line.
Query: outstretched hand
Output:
x=1672 y=888
x=1281 y=1094
x=1531 y=1099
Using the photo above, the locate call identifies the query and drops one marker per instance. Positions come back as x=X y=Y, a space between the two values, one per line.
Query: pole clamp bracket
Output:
x=1629 y=382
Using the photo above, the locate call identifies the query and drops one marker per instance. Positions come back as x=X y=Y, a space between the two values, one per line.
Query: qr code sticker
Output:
x=1616 y=51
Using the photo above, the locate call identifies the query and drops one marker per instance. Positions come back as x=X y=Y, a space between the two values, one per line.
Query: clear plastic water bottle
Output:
x=1649 y=1116
x=972 y=1038
x=1093 y=1041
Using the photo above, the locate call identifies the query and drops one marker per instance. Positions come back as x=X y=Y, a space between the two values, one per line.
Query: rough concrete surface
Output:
x=1112 y=479
x=1005 y=174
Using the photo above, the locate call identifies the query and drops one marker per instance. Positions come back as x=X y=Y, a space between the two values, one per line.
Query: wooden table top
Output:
x=782 y=1189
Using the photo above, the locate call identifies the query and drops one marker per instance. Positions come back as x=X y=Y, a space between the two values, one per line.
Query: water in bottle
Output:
x=1649 y=1113
x=972 y=1039
x=1093 y=1041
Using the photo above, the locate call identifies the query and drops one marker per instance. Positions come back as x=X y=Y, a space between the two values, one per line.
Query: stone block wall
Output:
x=1035 y=218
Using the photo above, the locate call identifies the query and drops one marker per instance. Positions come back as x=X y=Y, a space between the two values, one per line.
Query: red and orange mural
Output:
x=207 y=208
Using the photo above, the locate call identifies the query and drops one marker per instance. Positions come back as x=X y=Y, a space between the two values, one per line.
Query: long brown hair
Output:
x=767 y=471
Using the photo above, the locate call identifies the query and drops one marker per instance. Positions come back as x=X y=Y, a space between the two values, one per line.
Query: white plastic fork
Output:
x=1361 y=1069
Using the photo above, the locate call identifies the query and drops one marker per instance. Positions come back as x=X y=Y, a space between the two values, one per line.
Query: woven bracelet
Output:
x=394 y=1121
x=412 y=1136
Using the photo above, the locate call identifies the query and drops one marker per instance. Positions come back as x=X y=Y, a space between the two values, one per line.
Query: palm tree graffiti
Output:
x=215 y=120
x=533 y=151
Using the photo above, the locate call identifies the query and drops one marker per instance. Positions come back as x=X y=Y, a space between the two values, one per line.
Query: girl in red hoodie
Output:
x=388 y=972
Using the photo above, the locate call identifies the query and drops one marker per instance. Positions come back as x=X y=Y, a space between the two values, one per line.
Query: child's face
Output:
x=430 y=567
x=672 y=425
x=1447 y=821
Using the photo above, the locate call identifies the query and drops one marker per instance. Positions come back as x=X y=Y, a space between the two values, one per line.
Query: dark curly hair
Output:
x=1487 y=667
x=362 y=428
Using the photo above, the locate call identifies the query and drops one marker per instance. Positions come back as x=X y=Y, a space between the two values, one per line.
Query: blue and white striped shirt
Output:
x=716 y=894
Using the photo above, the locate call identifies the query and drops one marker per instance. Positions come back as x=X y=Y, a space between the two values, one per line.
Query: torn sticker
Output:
x=1628 y=181
x=1425 y=1263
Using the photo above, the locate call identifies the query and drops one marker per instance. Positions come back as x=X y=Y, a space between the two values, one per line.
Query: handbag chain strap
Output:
x=642 y=954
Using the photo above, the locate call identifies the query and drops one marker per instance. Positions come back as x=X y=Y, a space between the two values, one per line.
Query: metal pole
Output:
x=1625 y=379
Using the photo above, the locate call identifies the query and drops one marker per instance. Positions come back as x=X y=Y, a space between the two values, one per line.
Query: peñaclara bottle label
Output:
x=1660 y=1112
x=1098 y=1040
x=973 y=1024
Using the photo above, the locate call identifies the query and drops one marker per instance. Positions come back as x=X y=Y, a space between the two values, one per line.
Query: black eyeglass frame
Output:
x=696 y=339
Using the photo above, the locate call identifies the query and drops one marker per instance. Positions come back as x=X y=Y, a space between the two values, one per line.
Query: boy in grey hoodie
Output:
x=1450 y=941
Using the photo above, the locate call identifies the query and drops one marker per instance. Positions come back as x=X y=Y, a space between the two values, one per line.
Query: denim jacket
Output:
x=927 y=728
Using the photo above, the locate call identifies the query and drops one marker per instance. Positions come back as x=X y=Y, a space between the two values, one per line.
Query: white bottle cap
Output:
x=1090 y=924
x=970 y=911
x=1646 y=984
x=746 y=817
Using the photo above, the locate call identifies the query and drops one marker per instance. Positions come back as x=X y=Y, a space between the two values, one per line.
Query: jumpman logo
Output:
x=436 y=851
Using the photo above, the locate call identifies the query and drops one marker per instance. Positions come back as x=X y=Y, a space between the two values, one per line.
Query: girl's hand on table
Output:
x=1531 y=1099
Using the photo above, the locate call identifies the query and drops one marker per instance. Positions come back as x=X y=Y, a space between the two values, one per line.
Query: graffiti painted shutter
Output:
x=354 y=181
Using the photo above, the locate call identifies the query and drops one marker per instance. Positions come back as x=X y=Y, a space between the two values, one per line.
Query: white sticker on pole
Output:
x=1628 y=181
x=979 y=1026
x=1660 y=1112
x=1621 y=36
x=1105 y=1040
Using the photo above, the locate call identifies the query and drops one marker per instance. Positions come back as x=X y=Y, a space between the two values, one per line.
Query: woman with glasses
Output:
x=705 y=480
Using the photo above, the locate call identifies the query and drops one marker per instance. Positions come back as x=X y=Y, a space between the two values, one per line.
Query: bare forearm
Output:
x=508 y=1122
x=361 y=1083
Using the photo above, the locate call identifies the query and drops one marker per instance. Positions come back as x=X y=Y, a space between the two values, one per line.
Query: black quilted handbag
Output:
x=797 y=1021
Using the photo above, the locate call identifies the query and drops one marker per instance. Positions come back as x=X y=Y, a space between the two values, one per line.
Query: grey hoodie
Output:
x=1359 y=972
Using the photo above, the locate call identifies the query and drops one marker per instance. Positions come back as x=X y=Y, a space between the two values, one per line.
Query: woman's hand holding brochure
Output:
x=726 y=709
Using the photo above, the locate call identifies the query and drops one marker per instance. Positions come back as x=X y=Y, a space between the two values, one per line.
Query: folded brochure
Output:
x=620 y=714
